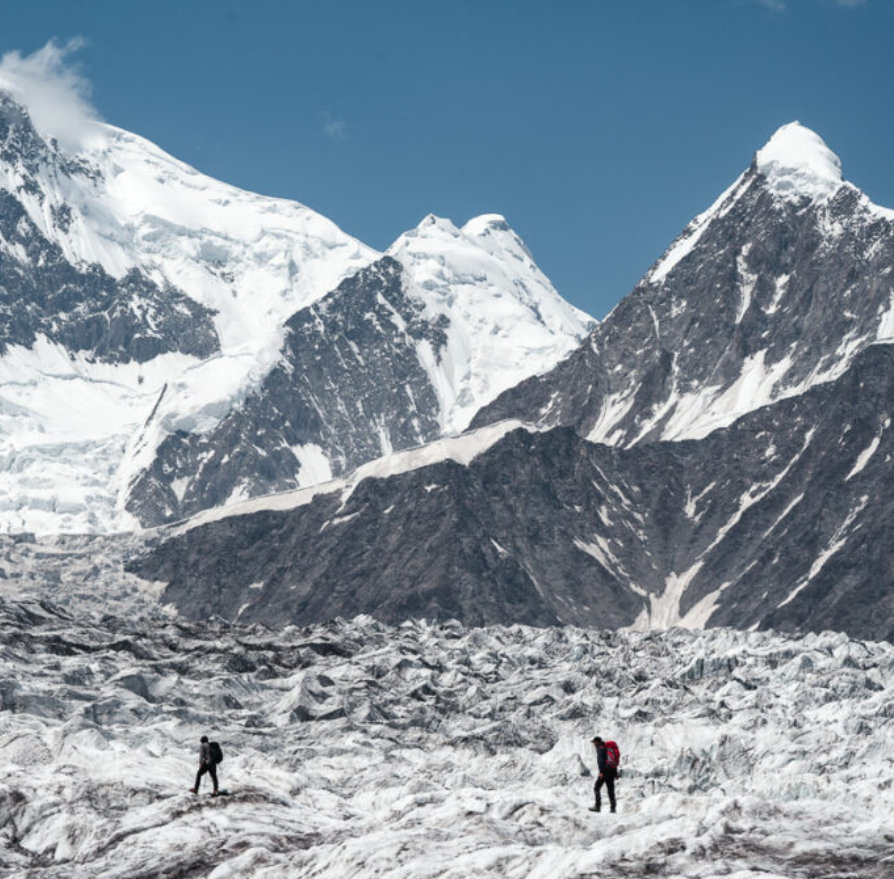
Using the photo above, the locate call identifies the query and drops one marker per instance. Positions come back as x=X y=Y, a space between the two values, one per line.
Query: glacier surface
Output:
x=354 y=749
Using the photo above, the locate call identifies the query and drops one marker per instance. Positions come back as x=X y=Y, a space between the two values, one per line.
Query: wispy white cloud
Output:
x=782 y=5
x=56 y=94
x=335 y=129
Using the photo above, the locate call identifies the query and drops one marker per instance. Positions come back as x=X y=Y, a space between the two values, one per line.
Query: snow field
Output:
x=506 y=320
x=355 y=749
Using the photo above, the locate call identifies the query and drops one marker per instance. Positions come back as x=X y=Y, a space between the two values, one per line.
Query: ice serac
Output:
x=401 y=353
x=772 y=290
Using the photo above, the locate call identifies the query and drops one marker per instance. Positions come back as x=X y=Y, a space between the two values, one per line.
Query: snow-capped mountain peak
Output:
x=775 y=288
x=130 y=268
x=797 y=163
x=505 y=317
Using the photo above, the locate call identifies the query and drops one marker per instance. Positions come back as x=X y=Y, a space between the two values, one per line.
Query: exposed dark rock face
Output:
x=782 y=289
x=349 y=382
x=79 y=306
x=780 y=520
x=84 y=308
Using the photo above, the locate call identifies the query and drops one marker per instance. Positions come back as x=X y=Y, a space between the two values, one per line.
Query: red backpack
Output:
x=612 y=755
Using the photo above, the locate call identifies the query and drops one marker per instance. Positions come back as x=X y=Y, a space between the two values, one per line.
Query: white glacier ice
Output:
x=354 y=749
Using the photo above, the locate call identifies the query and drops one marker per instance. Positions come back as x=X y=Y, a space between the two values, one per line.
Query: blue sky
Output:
x=598 y=128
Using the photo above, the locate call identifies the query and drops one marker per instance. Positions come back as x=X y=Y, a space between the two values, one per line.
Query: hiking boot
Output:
x=193 y=790
x=595 y=809
x=215 y=793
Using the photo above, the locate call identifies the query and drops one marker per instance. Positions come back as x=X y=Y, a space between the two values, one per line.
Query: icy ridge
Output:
x=359 y=749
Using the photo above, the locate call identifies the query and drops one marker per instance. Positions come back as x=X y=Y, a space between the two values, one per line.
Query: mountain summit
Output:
x=797 y=163
x=773 y=289
x=505 y=317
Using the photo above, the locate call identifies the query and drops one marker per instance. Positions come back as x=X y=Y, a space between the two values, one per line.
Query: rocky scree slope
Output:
x=780 y=520
x=357 y=748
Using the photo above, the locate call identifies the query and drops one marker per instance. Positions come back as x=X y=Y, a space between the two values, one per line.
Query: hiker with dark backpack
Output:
x=608 y=759
x=210 y=754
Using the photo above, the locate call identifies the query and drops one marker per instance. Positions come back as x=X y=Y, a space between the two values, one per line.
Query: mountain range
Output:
x=292 y=426
x=148 y=309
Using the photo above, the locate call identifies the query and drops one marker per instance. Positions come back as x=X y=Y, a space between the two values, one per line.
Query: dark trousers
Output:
x=608 y=779
x=211 y=769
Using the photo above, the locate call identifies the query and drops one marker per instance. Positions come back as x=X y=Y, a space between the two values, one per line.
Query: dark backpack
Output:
x=612 y=755
x=216 y=753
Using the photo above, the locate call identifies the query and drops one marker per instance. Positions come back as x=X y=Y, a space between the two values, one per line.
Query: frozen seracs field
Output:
x=354 y=749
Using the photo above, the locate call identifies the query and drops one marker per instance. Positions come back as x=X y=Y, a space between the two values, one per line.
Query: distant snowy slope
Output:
x=506 y=321
x=142 y=303
x=773 y=289
x=123 y=204
x=399 y=354
x=130 y=283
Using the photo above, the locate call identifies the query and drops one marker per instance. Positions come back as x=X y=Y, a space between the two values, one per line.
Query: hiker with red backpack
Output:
x=608 y=758
x=210 y=754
